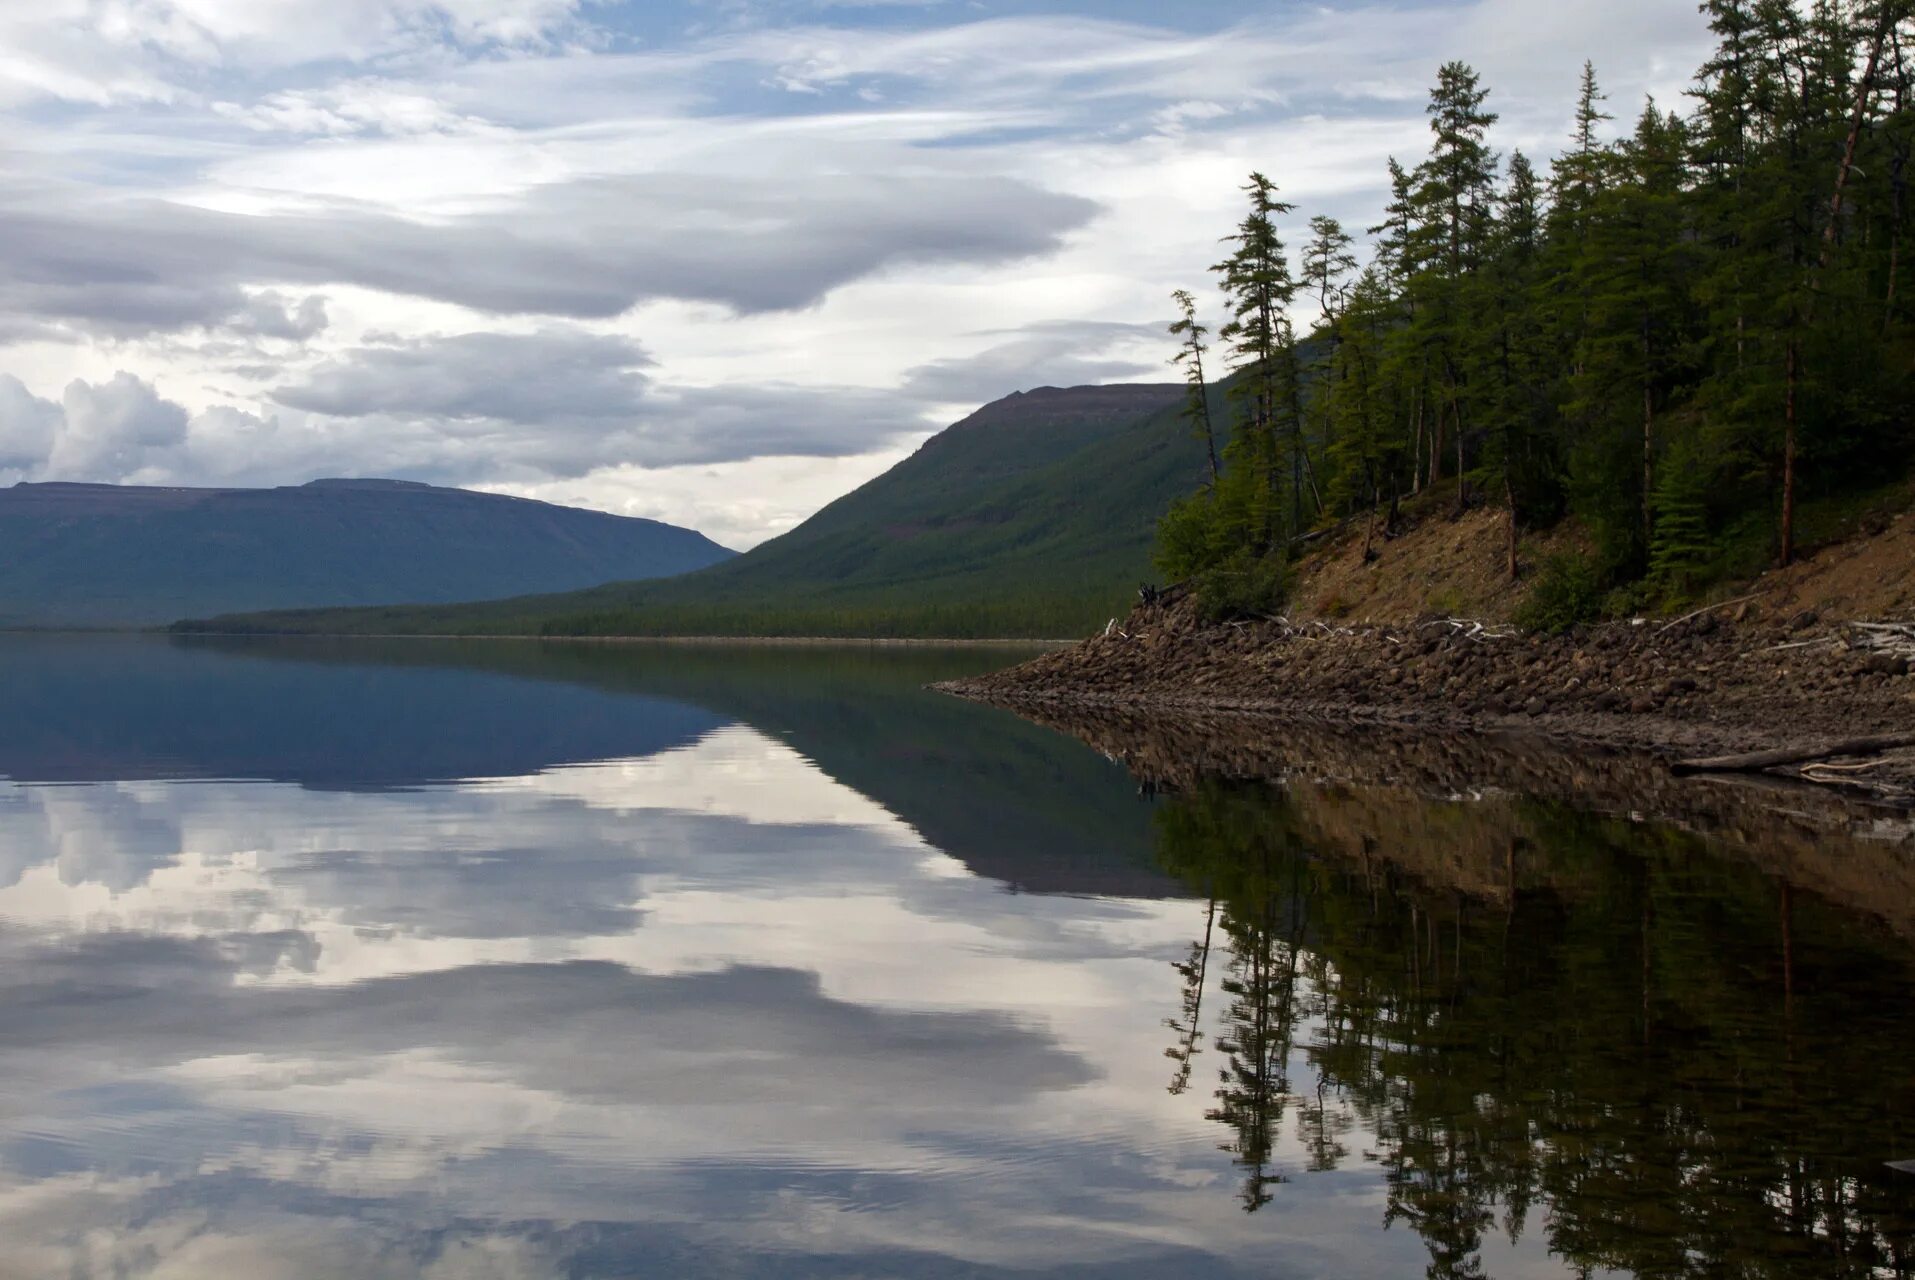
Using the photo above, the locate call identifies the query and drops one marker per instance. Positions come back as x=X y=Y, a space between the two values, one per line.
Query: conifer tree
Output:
x=1398 y=259
x=1515 y=391
x=1635 y=278
x=1455 y=193
x=1327 y=261
x=1258 y=290
x=1191 y=357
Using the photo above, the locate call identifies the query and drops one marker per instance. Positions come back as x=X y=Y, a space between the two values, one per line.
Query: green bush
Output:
x=1568 y=590
x=1245 y=585
x=1186 y=537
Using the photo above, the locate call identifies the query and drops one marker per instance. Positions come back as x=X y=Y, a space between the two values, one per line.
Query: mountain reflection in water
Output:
x=505 y=960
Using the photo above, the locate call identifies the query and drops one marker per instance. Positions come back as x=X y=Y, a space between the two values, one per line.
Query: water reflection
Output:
x=767 y=963
x=1659 y=1058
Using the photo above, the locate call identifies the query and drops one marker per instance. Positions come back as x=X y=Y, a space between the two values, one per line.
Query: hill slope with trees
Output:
x=1682 y=336
x=1035 y=516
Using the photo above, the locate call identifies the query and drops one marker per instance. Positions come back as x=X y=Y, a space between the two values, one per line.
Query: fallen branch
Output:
x=1756 y=760
x=1895 y=639
x=1820 y=642
x=1859 y=766
x=1708 y=608
x=1470 y=629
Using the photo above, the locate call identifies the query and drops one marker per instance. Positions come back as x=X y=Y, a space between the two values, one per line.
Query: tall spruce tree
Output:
x=1516 y=409
x=1456 y=194
x=1258 y=292
x=1635 y=350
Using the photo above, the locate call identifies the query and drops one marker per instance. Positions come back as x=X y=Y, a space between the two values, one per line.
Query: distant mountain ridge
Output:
x=96 y=555
x=1034 y=516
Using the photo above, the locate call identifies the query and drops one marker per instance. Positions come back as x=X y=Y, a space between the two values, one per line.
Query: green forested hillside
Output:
x=1033 y=517
x=1686 y=331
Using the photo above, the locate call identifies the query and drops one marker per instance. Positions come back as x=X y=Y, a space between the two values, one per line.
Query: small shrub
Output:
x=1335 y=606
x=1244 y=585
x=1568 y=590
x=1624 y=601
x=1445 y=602
x=1186 y=537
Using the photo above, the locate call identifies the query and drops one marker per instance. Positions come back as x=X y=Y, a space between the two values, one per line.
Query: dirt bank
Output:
x=1440 y=562
x=1706 y=685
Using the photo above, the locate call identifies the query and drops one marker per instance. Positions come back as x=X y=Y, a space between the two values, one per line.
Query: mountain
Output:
x=1034 y=516
x=92 y=555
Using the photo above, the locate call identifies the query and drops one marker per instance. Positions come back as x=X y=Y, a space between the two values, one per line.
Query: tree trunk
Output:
x=1793 y=356
x=1509 y=497
x=1790 y=361
x=1203 y=404
x=1756 y=760
x=1310 y=472
x=1894 y=269
x=1856 y=118
x=1462 y=477
x=1416 y=441
x=1648 y=465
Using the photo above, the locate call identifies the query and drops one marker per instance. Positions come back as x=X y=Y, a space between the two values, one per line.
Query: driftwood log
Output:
x=1709 y=608
x=1756 y=760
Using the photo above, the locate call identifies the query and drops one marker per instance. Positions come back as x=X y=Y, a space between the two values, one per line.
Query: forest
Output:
x=1686 y=332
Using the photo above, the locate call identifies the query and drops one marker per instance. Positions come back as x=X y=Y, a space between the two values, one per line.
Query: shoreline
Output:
x=806 y=641
x=1698 y=687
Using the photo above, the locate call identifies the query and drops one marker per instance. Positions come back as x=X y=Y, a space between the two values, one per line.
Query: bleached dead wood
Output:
x=1708 y=608
x=1820 y=642
x=1470 y=629
x=1756 y=760
x=1896 y=639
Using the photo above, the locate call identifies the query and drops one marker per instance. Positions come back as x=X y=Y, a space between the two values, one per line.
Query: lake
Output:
x=369 y=959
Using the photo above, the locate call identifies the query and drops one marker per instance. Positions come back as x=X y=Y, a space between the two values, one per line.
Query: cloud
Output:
x=272 y=315
x=120 y=430
x=28 y=426
x=586 y=249
x=1057 y=353
x=472 y=408
x=116 y=428
x=548 y=378
x=88 y=52
x=356 y=108
x=562 y=401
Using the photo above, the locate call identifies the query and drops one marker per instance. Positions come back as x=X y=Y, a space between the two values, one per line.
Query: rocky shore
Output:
x=1710 y=684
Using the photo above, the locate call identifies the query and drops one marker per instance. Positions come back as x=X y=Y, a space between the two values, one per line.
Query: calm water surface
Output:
x=361 y=960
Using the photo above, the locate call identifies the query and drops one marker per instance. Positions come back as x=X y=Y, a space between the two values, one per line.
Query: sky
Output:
x=708 y=261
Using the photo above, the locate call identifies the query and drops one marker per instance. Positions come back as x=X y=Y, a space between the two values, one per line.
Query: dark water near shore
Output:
x=493 y=960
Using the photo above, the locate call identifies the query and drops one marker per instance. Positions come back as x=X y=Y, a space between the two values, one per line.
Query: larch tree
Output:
x=1190 y=356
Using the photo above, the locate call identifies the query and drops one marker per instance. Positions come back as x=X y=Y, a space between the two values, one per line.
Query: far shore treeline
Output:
x=1690 y=328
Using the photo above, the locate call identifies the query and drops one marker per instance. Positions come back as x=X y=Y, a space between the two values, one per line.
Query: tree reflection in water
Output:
x=1660 y=1057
